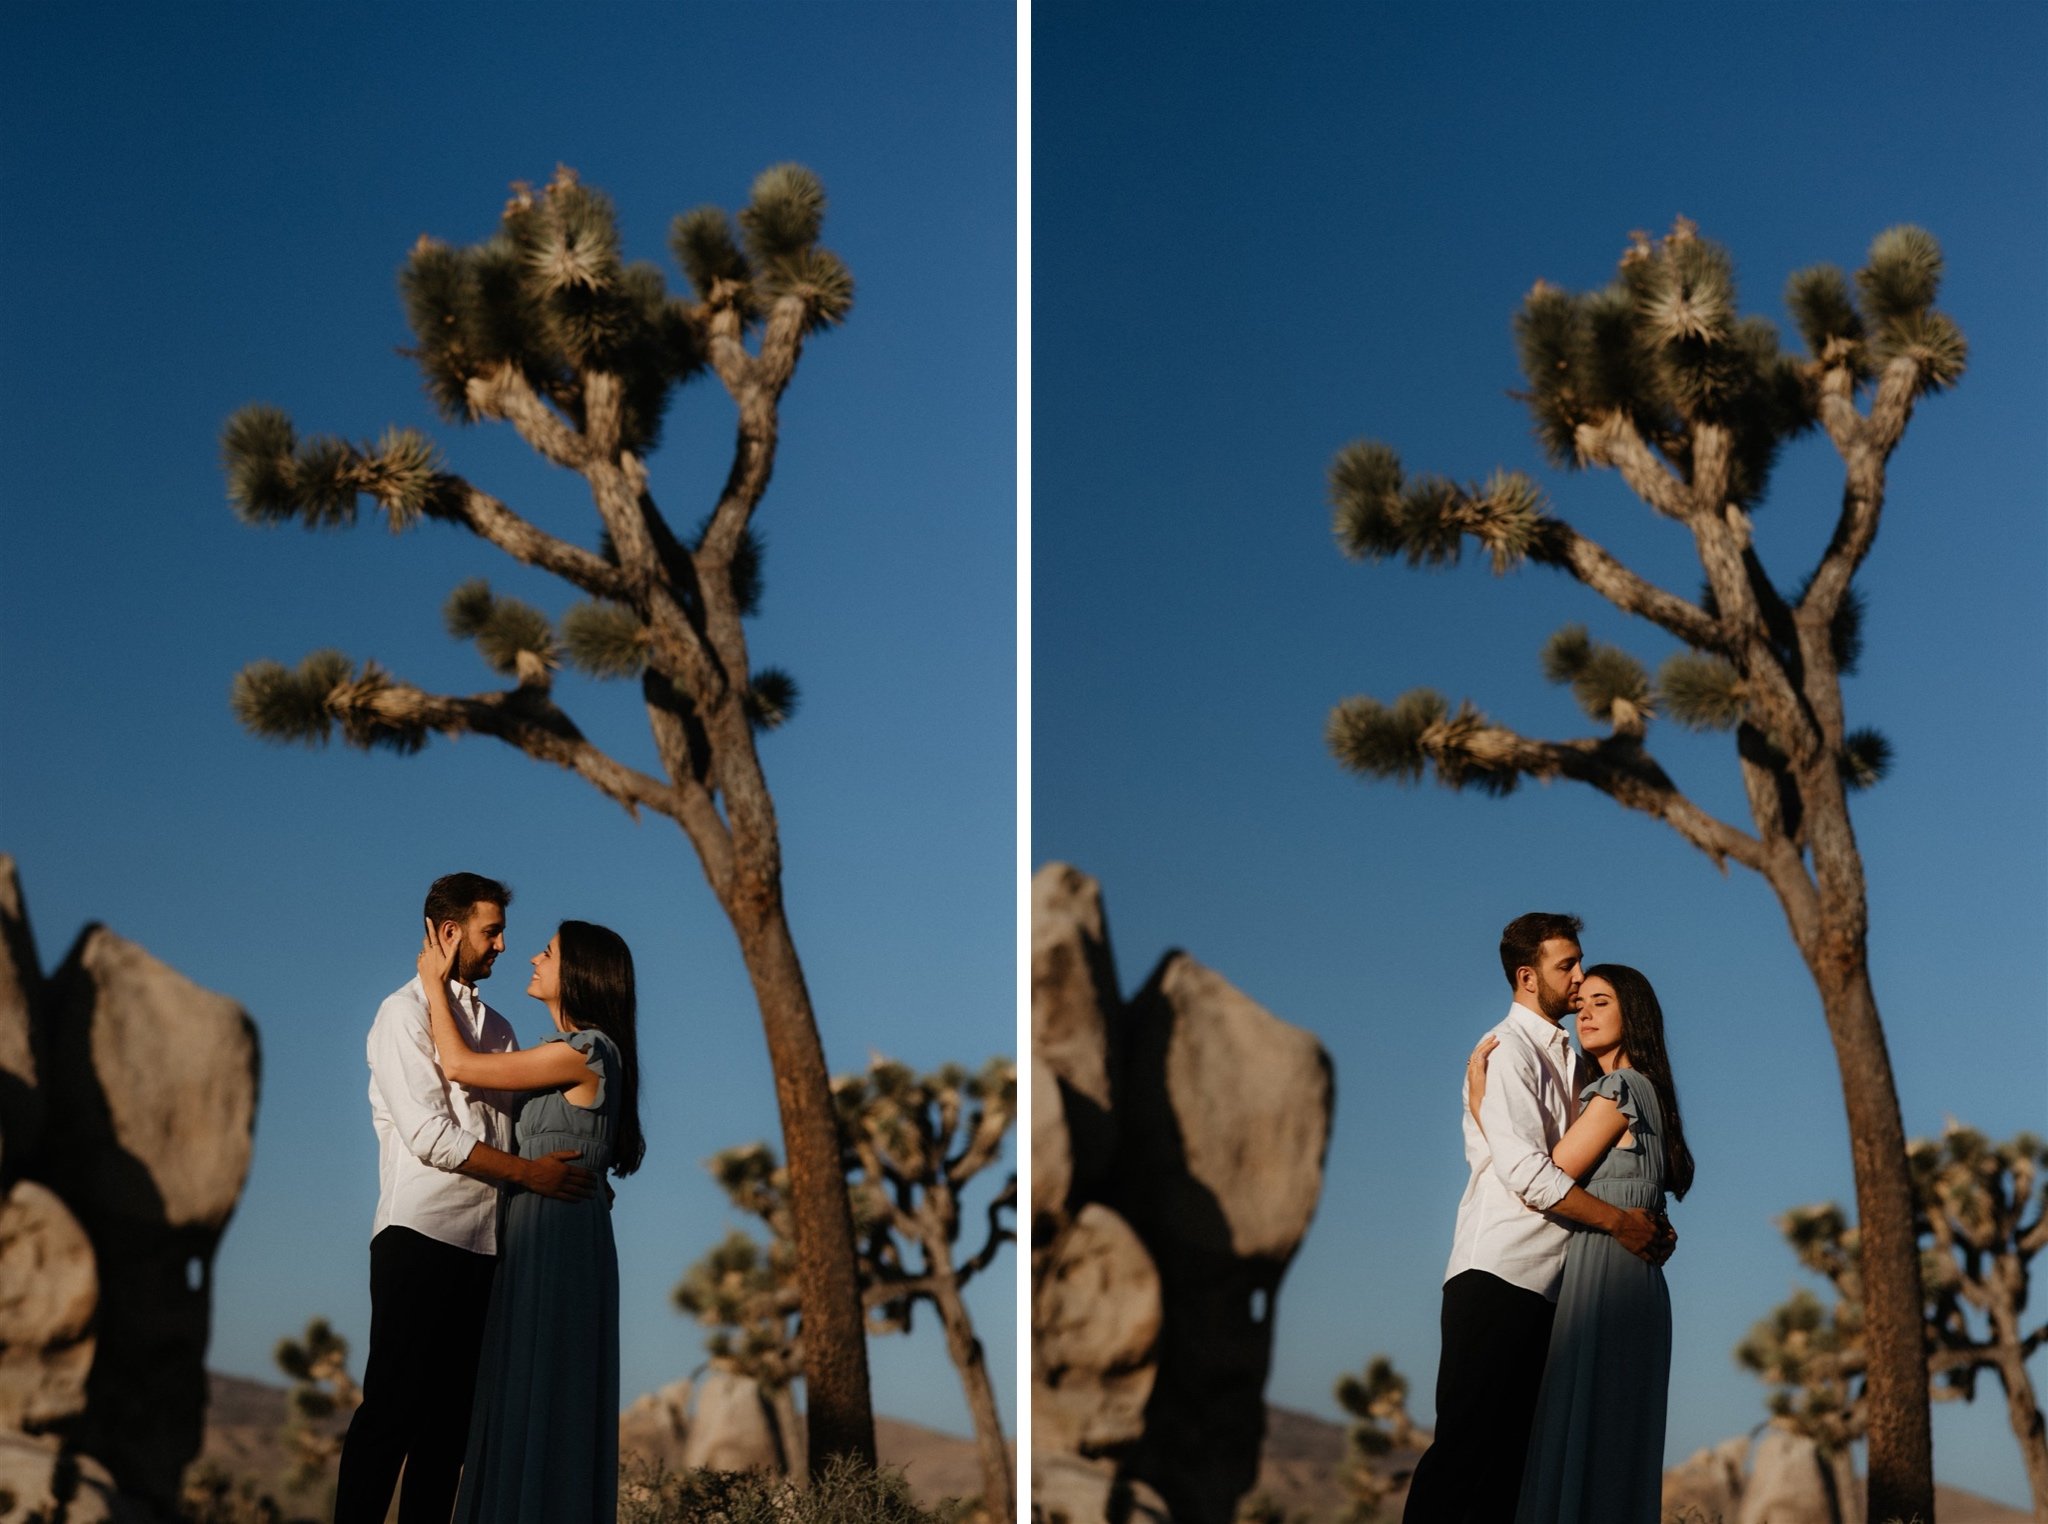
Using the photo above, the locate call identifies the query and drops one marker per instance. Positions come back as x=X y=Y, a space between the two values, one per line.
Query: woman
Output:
x=544 y=1430
x=1596 y=1448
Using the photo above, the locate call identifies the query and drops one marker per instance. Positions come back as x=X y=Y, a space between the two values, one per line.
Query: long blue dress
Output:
x=544 y=1431
x=1596 y=1448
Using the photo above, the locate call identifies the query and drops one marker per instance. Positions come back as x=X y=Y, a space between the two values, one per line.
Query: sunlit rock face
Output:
x=1178 y=1144
x=51 y=1291
x=128 y=1095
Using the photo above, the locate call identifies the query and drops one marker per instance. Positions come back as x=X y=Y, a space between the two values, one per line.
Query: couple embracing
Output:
x=494 y=1281
x=1552 y=1385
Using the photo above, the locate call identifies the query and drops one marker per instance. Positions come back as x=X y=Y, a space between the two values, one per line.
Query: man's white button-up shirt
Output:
x=426 y=1124
x=1504 y=1224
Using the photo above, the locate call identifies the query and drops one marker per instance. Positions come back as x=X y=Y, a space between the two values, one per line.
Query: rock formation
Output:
x=127 y=1116
x=1177 y=1148
x=1790 y=1482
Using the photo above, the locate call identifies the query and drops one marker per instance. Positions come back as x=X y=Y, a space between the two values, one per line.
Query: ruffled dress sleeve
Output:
x=1619 y=1087
x=602 y=1057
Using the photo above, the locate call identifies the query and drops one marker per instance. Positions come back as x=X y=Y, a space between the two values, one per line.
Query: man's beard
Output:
x=1556 y=1004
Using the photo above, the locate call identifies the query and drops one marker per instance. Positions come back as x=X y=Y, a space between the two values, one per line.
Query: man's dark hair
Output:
x=1524 y=936
x=454 y=895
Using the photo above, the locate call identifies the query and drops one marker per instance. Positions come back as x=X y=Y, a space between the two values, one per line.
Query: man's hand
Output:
x=1637 y=1232
x=556 y=1177
x=1666 y=1240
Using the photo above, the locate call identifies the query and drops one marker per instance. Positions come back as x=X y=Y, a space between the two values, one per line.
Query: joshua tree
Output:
x=545 y=326
x=1378 y=1404
x=746 y=1292
x=1656 y=377
x=322 y=1389
x=1976 y=1264
x=911 y=1145
x=918 y=1141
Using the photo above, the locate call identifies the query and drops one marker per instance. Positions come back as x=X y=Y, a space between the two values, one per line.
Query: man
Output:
x=443 y=1152
x=1507 y=1254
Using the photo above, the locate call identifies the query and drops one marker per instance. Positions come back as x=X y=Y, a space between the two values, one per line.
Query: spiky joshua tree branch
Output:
x=1658 y=378
x=546 y=326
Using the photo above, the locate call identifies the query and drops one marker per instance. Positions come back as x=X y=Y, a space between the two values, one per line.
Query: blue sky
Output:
x=1254 y=243
x=209 y=207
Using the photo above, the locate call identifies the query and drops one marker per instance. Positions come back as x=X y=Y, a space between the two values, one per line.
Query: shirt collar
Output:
x=467 y=1000
x=1552 y=1033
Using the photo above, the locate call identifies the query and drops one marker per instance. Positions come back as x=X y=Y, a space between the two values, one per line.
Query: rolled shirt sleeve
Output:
x=1518 y=1130
x=409 y=1082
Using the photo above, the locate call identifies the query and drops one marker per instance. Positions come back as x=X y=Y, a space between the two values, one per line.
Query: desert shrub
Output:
x=211 y=1496
x=846 y=1493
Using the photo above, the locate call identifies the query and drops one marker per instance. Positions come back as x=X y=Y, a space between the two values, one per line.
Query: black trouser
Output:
x=1495 y=1338
x=427 y=1306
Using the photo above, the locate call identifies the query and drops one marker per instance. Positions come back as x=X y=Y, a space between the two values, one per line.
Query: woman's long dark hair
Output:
x=1642 y=1039
x=597 y=994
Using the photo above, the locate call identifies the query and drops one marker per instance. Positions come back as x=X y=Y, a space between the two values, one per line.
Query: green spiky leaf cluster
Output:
x=1801 y=1350
x=729 y=1283
x=1663 y=346
x=1701 y=692
x=752 y=1179
x=545 y=297
x=1609 y=684
x=1889 y=314
x=1401 y=739
x=771 y=698
x=306 y=703
x=550 y=295
x=1377 y=512
x=503 y=629
x=780 y=227
x=315 y=1355
x=1866 y=758
x=291 y=704
x=604 y=640
x=274 y=476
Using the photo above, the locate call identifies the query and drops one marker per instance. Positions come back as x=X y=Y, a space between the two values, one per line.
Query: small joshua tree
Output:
x=1979 y=1240
x=1378 y=1404
x=911 y=1146
x=1659 y=379
x=918 y=1142
x=745 y=1292
x=322 y=1389
x=547 y=327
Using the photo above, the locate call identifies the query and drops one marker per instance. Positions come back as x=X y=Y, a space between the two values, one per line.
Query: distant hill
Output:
x=1298 y=1471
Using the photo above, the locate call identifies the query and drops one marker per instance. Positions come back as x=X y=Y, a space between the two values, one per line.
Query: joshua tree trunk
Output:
x=997 y=1485
x=1838 y=1476
x=1901 y=1440
x=2024 y=1409
x=789 y=1435
x=840 y=1421
x=1828 y=916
